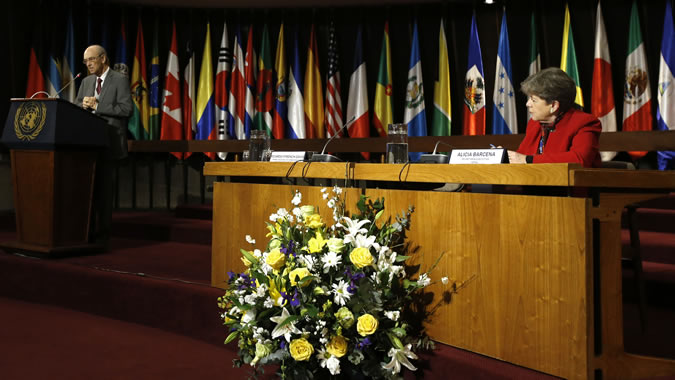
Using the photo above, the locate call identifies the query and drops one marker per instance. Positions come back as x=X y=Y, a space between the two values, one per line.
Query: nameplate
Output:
x=478 y=156
x=291 y=156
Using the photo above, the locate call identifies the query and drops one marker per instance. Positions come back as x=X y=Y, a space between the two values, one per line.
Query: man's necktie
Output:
x=98 y=86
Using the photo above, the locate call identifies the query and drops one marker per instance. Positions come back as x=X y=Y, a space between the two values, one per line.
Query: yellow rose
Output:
x=337 y=346
x=366 y=324
x=298 y=274
x=313 y=221
x=361 y=257
x=276 y=259
x=301 y=349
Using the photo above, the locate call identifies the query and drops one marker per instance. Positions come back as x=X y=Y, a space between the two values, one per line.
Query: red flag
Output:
x=189 y=98
x=36 y=78
x=172 y=118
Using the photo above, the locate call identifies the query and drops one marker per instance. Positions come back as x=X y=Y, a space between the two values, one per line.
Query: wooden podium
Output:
x=539 y=275
x=53 y=149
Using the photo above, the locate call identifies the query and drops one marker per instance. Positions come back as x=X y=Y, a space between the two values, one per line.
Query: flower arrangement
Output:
x=327 y=298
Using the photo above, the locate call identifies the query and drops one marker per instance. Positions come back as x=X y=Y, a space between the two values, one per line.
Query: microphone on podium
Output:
x=434 y=158
x=321 y=157
x=61 y=90
x=68 y=84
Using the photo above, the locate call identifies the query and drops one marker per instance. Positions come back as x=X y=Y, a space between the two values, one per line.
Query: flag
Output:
x=357 y=103
x=383 y=111
x=665 y=112
x=54 y=73
x=333 y=113
x=535 y=57
x=442 y=112
x=172 y=118
x=139 y=120
x=568 y=58
x=504 y=120
x=35 y=85
x=602 y=93
x=68 y=62
x=637 y=95
x=474 y=87
x=189 y=104
x=250 y=76
x=236 y=104
x=265 y=90
x=414 y=114
x=206 y=104
x=296 y=109
x=222 y=84
x=121 y=64
x=280 y=122
x=153 y=122
x=313 y=94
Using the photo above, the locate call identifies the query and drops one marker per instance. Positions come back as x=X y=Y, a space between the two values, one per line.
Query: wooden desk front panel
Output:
x=523 y=267
x=522 y=264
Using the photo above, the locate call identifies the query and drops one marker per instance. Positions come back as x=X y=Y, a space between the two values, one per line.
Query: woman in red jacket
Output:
x=556 y=132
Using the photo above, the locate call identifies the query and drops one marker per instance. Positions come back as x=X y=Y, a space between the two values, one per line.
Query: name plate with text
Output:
x=478 y=156
x=291 y=156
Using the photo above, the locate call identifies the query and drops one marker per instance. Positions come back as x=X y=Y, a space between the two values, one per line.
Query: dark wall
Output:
x=24 y=17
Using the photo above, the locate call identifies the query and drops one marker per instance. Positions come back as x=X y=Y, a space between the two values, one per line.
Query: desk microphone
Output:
x=321 y=157
x=68 y=84
x=61 y=90
x=434 y=158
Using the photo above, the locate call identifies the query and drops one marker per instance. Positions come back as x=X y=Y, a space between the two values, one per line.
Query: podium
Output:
x=53 y=149
x=539 y=276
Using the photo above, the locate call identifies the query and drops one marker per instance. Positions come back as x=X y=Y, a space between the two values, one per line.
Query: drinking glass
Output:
x=258 y=144
x=397 y=143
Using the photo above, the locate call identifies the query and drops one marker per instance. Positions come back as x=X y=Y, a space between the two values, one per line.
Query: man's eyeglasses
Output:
x=91 y=59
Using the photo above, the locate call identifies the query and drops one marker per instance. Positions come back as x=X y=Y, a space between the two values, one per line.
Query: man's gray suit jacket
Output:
x=114 y=105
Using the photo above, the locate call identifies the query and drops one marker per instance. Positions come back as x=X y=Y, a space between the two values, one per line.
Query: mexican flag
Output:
x=637 y=98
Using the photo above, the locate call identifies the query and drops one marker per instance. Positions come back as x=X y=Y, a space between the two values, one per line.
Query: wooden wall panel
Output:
x=523 y=269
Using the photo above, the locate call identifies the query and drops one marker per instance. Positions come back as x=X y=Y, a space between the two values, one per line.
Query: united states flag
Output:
x=333 y=98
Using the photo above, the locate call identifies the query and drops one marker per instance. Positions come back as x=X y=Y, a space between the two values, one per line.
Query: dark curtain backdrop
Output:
x=99 y=22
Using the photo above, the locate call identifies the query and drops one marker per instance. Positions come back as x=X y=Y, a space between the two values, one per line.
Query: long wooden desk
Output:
x=524 y=264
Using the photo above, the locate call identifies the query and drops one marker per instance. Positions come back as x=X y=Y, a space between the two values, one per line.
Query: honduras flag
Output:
x=414 y=114
x=504 y=119
x=296 y=107
x=665 y=114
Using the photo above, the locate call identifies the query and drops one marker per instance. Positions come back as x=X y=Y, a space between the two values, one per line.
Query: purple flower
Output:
x=288 y=249
x=282 y=344
x=231 y=274
x=364 y=343
x=353 y=280
x=294 y=300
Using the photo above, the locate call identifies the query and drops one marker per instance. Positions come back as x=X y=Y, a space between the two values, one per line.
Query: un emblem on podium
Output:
x=29 y=120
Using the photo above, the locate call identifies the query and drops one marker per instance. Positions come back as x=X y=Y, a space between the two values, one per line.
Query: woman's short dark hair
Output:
x=551 y=84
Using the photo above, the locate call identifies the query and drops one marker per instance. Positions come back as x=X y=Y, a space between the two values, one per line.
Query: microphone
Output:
x=434 y=158
x=321 y=157
x=68 y=84
x=61 y=90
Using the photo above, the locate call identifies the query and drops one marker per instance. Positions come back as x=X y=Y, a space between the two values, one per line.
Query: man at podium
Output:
x=106 y=93
x=556 y=132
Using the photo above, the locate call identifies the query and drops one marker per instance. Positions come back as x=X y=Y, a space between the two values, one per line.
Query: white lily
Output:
x=364 y=241
x=399 y=357
x=285 y=330
x=354 y=226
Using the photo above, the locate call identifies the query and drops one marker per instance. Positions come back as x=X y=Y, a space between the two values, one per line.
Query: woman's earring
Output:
x=551 y=109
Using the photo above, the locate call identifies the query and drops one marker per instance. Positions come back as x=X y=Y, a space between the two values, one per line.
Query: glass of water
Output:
x=258 y=144
x=397 y=143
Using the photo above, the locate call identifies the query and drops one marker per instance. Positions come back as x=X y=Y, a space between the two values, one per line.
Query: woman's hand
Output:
x=516 y=158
